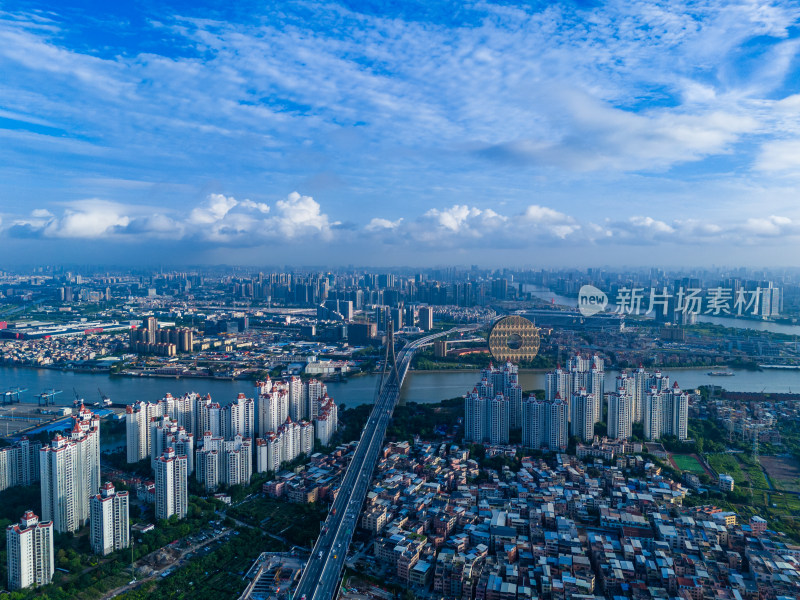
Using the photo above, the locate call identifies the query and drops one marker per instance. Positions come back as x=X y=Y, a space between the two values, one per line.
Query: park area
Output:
x=783 y=472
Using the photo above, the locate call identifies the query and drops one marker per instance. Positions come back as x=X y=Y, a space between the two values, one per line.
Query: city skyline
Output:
x=418 y=134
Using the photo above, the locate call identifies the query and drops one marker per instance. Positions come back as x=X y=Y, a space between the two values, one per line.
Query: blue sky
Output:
x=374 y=133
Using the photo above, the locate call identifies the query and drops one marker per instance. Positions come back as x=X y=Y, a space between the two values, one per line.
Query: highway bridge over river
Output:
x=322 y=574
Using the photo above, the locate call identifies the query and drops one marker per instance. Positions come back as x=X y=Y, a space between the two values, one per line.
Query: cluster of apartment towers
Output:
x=69 y=474
x=286 y=417
x=572 y=405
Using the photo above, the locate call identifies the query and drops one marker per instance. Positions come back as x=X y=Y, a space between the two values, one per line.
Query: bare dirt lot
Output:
x=784 y=472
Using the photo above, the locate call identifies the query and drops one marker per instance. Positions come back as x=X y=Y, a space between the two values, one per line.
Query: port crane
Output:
x=8 y=397
x=105 y=400
x=48 y=397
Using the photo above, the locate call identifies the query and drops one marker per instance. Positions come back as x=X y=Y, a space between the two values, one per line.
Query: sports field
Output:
x=687 y=462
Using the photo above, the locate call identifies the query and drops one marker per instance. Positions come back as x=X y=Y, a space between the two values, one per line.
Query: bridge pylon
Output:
x=389 y=372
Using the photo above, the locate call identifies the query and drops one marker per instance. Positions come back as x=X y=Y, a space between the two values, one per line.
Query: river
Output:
x=421 y=386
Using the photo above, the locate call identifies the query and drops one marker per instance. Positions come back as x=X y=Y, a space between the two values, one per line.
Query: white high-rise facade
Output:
x=494 y=406
x=557 y=382
x=582 y=373
x=207 y=471
x=171 y=485
x=620 y=413
x=273 y=409
x=497 y=419
x=486 y=418
x=582 y=406
x=209 y=416
x=180 y=409
x=653 y=415
x=238 y=418
x=287 y=443
x=166 y=433
x=326 y=420
x=545 y=424
x=296 y=406
x=19 y=464
x=70 y=473
x=29 y=550
x=534 y=423
x=137 y=428
x=666 y=413
x=556 y=424
x=315 y=390
x=110 y=523
x=59 y=496
x=236 y=464
x=269 y=454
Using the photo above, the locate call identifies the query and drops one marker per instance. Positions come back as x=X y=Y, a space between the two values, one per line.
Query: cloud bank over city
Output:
x=331 y=131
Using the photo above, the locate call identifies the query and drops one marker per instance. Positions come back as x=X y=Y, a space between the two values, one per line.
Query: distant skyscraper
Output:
x=110 y=526
x=426 y=318
x=171 y=485
x=29 y=549
x=151 y=324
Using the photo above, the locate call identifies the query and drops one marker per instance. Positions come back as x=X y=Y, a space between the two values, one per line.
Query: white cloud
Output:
x=771 y=226
x=219 y=219
x=259 y=206
x=779 y=155
x=88 y=219
x=378 y=224
x=553 y=221
x=454 y=218
x=648 y=223
x=299 y=215
x=214 y=209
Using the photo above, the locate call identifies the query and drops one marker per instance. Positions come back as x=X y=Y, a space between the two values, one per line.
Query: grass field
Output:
x=727 y=463
x=686 y=462
x=784 y=472
x=753 y=471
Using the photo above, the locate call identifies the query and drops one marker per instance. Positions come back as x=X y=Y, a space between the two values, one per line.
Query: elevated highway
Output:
x=321 y=576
